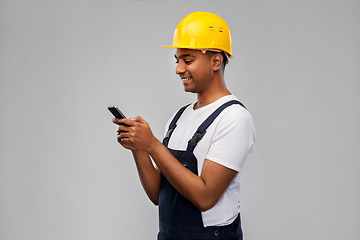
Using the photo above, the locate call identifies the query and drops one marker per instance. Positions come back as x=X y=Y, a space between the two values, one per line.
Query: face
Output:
x=194 y=69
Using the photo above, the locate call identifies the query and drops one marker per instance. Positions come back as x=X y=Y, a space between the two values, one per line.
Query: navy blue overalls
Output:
x=180 y=219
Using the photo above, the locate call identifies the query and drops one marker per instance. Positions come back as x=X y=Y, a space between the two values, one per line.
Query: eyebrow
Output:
x=184 y=56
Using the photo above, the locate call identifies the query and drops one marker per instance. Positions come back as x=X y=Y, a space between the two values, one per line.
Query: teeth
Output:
x=184 y=79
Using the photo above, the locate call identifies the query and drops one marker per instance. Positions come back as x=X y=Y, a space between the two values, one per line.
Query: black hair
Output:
x=224 y=55
x=225 y=59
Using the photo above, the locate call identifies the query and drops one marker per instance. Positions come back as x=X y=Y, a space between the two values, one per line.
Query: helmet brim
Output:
x=229 y=54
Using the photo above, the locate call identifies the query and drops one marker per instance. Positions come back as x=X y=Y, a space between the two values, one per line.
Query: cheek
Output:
x=200 y=73
x=195 y=70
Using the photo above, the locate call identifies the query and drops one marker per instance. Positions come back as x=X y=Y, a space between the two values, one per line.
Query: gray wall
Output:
x=64 y=176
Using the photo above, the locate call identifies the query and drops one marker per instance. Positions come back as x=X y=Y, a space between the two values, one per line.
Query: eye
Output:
x=188 y=62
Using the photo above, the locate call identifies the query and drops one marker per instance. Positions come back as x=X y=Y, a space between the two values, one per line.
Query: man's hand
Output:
x=135 y=134
x=127 y=146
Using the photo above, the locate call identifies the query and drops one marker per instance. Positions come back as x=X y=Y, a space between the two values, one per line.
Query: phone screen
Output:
x=116 y=112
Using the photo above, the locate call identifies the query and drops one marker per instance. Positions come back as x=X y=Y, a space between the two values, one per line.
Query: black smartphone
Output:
x=116 y=112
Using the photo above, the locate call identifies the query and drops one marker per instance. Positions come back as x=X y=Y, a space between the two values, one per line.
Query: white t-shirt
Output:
x=228 y=141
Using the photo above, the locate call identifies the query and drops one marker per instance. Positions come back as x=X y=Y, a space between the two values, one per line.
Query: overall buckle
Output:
x=196 y=138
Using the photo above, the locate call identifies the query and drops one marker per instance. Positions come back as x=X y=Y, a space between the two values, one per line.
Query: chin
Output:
x=188 y=90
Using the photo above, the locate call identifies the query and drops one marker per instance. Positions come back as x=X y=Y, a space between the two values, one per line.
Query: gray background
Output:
x=64 y=176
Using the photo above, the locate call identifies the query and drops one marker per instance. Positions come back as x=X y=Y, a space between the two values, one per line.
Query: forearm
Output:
x=148 y=174
x=204 y=191
x=183 y=180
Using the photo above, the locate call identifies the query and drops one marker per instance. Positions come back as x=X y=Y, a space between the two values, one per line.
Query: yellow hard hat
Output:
x=204 y=31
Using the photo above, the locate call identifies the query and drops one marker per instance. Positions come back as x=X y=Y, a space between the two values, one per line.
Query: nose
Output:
x=180 y=68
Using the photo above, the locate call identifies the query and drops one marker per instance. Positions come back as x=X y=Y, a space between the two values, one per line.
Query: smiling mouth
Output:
x=185 y=79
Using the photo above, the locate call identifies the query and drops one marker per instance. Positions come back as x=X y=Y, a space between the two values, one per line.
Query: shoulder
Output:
x=232 y=137
x=234 y=123
x=236 y=114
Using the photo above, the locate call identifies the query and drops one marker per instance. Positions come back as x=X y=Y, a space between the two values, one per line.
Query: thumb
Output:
x=139 y=120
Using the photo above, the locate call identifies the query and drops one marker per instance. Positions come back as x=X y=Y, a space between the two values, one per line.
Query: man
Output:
x=196 y=178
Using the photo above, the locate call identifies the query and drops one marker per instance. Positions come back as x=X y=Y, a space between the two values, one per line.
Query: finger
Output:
x=123 y=128
x=128 y=122
x=117 y=121
x=126 y=144
x=124 y=135
x=139 y=120
x=121 y=141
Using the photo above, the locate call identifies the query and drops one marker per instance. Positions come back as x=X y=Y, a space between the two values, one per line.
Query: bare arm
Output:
x=149 y=175
x=204 y=190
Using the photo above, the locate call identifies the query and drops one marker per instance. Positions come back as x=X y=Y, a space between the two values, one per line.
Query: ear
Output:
x=216 y=59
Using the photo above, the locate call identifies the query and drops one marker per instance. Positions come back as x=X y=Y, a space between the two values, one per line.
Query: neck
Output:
x=212 y=94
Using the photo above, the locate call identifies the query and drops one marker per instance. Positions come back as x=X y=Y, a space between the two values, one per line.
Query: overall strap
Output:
x=198 y=135
x=172 y=125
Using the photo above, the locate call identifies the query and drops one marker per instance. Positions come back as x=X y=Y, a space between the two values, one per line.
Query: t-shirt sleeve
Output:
x=233 y=140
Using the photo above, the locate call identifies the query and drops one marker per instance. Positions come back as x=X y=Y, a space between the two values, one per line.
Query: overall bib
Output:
x=180 y=219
